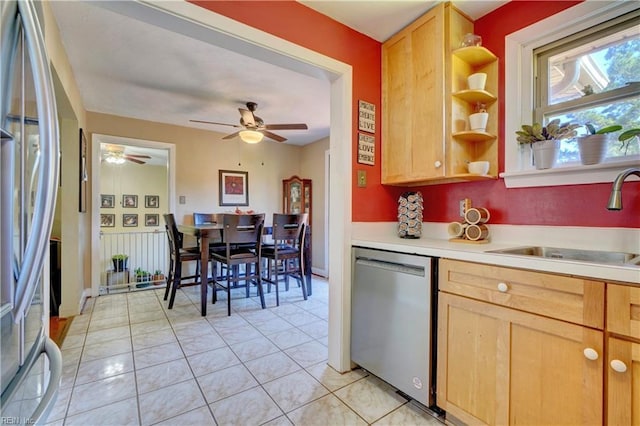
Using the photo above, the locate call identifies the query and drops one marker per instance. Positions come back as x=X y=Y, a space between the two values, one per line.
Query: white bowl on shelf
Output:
x=478 y=167
x=477 y=81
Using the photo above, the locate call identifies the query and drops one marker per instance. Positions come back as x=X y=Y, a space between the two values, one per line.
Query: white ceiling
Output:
x=136 y=67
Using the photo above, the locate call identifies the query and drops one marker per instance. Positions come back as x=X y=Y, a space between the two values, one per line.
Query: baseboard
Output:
x=86 y=293
x=320 y=272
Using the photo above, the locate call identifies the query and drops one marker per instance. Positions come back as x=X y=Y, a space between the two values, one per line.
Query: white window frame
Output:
x=520 y=88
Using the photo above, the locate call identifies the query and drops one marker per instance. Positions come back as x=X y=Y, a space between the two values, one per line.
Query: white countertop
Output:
x=435 y=242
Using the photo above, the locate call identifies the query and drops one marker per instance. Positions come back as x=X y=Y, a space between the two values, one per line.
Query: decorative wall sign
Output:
x=234 y=188
x=366 y=117
x=366 y=149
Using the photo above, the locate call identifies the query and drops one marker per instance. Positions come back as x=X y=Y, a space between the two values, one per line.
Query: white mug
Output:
x=456 y=229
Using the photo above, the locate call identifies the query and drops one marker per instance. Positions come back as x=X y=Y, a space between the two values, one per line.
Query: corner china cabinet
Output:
x=296 y=196
x=426 y=102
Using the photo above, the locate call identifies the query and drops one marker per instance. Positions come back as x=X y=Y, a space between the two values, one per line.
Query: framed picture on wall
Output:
x=130 y=201
x=107 y=220
x=233 y=188
x=151 y=219
x=152 y=201
x=107 y=201
x=129 y=220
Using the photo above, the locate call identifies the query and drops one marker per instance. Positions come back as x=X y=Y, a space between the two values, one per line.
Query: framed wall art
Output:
x=130 y=201
x=129 y=220
x=152 y=201
x=151 y=219
x=107 y=220
x=107 y=201
x=234 y=188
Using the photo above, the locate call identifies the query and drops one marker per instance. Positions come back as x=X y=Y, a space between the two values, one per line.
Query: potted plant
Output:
x=545 y=140
x=158 y=277
x=593 y=145
x=142 y=277
x=119 y=262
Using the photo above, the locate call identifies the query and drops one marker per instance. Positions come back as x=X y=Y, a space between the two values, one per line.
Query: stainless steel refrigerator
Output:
x=30 y=362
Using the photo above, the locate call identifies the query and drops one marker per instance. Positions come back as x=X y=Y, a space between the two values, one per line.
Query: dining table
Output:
x=214 y=232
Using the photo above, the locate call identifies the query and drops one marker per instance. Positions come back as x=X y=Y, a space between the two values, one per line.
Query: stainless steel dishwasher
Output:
x=391 y=319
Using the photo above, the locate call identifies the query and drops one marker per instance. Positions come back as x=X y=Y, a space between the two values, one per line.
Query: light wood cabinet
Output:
x=425 y=105
x=505 y=358
x=623 y=355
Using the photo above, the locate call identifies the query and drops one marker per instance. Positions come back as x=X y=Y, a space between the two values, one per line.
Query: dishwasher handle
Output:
x=391 y=266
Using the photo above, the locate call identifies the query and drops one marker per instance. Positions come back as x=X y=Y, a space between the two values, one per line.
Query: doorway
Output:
x=133 y=184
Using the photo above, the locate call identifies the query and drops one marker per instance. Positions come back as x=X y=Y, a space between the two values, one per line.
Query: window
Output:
x=547 y=45
x=592 y=77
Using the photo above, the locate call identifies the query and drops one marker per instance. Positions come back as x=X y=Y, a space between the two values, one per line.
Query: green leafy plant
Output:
x=553 y=130
x=120 y=257
x=626 y=137
x=609 y=129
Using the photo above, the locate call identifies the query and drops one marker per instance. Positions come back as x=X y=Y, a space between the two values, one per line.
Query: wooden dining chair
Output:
x=243 y=247
x=285 y=257
x=177 y=255
x=211 y=219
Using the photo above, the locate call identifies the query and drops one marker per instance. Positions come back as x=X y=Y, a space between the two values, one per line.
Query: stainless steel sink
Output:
x=595 y=256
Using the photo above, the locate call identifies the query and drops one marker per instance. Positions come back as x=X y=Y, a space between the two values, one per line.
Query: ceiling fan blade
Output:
x=214 y=122
x=273 y=136
x=247 y=118
x=298 y=126
x=133 y=160
x=231 y=136
x=138 y=156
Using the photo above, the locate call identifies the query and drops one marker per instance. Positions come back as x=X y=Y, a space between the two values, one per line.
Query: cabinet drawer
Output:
x=623 y=310
x=565 y=298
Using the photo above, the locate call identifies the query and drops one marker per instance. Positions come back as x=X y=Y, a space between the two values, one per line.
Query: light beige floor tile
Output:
x=272 y=366
x=145 y=316
x=59 y=409
x=227 y=382
x=71 y=356
x=255 y=348
x=371 y=398
x=308 y=354
x=106 y=349
x=228 y=322
x=317 y=329
x=239 y=334
x=301 y=318
x=208 y=362
x=279 y=421
x=289 y=338
x=74 y=341
x=110 y=322
x=333 y=380
x=68 y=375
x=327 y=410
x=170 y=401
x=150 y=326
x=101 y=336
x=156 y=338
x=102 y=392
x=273 y=326
x=295 y=390
x=199 y=344
x=191 y=329
x=162 y=375
x=117 y=414
x=408 y=414
x=198 y=417
x=252 y=406
x=157 y=355
x=102 y=368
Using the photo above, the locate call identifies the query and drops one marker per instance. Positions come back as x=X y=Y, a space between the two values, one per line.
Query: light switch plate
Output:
x=362 y=178
x=182 y=199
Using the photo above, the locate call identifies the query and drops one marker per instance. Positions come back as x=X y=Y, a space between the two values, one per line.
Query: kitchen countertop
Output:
x=435 y=242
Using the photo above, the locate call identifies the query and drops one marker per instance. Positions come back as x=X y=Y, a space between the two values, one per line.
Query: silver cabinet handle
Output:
x=36 y=246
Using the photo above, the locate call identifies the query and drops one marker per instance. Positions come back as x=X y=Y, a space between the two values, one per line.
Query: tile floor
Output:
x=128 y=360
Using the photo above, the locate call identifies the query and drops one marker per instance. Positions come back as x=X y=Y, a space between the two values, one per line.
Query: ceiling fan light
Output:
x=114 y=159
x=251 y=136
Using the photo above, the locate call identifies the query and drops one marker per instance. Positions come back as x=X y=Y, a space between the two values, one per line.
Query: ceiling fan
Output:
x=114 y=154
x=253 y=127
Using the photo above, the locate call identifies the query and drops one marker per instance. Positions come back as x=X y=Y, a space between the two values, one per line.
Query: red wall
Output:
x=575 y=205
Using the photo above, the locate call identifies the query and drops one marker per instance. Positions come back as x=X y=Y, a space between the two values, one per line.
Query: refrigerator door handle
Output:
x=50 y=349
x=36 y=248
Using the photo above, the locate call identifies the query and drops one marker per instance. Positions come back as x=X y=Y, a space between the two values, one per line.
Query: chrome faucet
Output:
x=615 y=200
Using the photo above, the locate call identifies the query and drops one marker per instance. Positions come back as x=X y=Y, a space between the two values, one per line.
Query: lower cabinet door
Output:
x=623 y=381
x=500 y=366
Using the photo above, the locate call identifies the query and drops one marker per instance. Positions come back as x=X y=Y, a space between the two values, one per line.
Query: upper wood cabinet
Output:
x=424 y=125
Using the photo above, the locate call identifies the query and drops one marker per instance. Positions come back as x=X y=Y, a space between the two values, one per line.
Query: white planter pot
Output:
x=478 y=121
x=477 y=81
x=592 y=148
x=545 y=153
